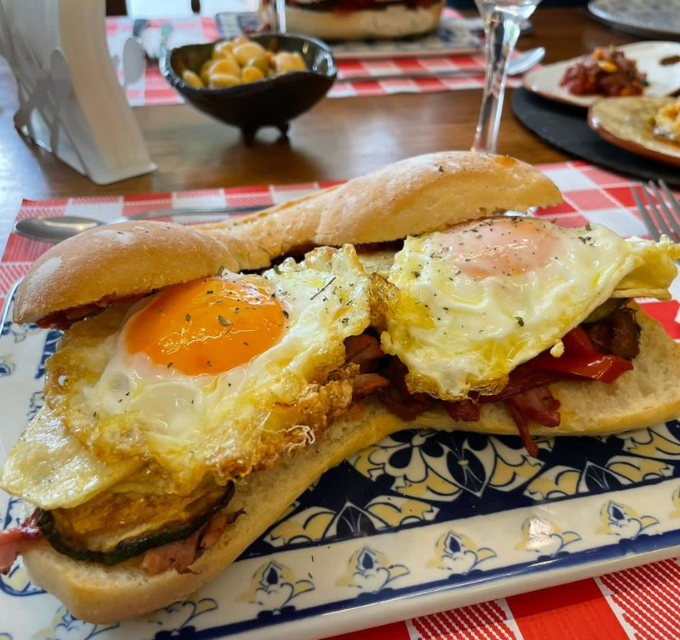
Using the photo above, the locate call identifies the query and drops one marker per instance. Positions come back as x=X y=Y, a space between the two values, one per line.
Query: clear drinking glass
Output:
x=278 y=15
x=502 y=23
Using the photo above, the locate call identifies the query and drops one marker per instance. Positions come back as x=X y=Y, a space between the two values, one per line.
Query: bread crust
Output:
x=413 y=196
x=118 y=261
x=395 y=21
x=417 y=195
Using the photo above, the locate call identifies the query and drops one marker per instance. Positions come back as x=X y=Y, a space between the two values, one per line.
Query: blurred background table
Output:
x=338 y=139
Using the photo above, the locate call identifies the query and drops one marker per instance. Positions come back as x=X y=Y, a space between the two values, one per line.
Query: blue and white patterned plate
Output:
x=417 y=523
x=648 y=18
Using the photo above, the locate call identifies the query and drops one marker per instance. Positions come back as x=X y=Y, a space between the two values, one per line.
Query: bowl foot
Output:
x=249 y=133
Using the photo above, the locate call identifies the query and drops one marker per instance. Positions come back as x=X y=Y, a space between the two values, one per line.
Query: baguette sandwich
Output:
x=189 y=403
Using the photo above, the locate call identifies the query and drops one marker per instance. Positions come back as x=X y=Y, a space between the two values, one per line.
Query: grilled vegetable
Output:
x=106 y=532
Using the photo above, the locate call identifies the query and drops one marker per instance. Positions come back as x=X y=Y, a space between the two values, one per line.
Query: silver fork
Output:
x=662 y=216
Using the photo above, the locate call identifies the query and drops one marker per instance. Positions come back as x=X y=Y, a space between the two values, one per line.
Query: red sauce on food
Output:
x=605 y=72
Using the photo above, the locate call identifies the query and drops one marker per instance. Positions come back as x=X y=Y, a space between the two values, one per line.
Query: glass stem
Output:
x=502 y=31
x=279 y=11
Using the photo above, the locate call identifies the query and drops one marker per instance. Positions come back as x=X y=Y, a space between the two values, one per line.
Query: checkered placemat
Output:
x=153 y=89
x=638 y=603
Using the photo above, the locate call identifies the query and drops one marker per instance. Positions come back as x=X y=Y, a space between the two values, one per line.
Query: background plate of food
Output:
x=641 y=68
x=639 y=17
x=645 y=125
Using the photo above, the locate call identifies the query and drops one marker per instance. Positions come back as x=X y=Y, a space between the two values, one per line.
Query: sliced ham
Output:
x=180 y=555
x=177 y=555
x=13 y=541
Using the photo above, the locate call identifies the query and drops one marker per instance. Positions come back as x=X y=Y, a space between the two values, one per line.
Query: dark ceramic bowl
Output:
x=272 y=101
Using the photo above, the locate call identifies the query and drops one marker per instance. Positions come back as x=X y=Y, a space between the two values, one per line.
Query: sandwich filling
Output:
x=155 y=409
x=500 y=306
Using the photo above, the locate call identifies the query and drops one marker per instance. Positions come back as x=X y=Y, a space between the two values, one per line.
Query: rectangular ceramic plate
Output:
x=454 y=36
x=418 y=523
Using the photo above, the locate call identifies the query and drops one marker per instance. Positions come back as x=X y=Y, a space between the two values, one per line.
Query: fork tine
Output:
x=669 y=219
x=675 y=205
x=647 y=219
x=655 y=212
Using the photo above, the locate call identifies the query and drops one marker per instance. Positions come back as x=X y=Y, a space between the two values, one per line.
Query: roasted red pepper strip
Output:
x=581 y=360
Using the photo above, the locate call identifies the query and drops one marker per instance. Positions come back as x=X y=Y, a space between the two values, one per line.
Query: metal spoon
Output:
x=57 y=228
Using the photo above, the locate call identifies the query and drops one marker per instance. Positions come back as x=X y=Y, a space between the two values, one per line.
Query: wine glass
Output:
x=278 y=16
x=502 y=24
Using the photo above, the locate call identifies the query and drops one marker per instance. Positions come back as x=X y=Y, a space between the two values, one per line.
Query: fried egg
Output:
x=667 y=121
x=212 y=378
x=475 y=301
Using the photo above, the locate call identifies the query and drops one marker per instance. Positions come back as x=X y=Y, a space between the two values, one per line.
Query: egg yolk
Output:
x=207 y=326
x=501 y=246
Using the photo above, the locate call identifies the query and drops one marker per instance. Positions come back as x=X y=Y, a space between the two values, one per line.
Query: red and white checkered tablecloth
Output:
x=640 y=603
x=152 y=88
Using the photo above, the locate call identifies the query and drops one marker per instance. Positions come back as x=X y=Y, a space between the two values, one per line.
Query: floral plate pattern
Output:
x=419 y=522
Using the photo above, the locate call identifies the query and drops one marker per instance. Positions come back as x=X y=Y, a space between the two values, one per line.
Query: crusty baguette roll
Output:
x=413 y=196
x=644 y=396
x=115 y=262
x=410 y=197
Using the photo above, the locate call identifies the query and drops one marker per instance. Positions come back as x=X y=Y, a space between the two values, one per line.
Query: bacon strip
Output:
x=13 y=541
x=465 y=410
x=365 y=351
x=536 y=404
x=617 y=334
x=367 y=383
x=397 y=398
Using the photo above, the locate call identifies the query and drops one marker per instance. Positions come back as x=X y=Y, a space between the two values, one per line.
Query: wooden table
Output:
x=339 y=138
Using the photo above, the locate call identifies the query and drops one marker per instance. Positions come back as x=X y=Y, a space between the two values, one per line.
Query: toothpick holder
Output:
x=70 y=100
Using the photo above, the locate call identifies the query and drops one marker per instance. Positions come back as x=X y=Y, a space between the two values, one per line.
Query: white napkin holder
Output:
x=70 y=100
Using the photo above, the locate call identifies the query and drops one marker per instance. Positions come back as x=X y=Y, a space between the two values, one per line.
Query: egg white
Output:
x=457 y=332
x=130 y=423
